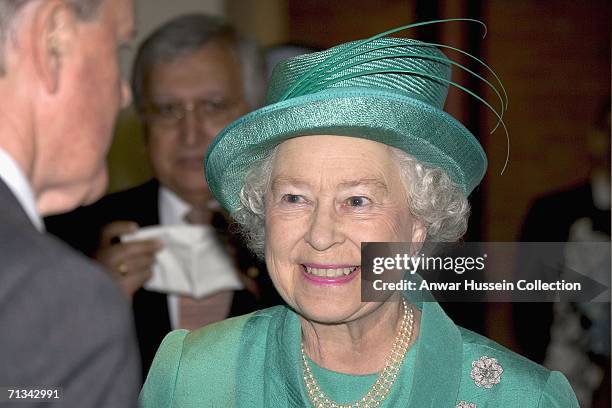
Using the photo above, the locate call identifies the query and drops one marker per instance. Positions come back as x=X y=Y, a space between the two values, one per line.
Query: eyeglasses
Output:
x=171 y=114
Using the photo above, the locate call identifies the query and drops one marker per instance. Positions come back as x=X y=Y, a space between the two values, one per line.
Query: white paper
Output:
x=192 y=262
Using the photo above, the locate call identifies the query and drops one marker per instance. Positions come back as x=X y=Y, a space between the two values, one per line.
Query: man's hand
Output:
x=130 y=263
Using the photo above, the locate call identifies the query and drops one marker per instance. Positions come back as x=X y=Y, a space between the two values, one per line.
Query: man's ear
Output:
x=53 y=33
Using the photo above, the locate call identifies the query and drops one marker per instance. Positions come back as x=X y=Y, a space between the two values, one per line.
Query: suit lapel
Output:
x=11 y=210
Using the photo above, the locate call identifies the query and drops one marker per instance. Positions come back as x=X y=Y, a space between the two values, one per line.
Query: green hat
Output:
x=389 y=90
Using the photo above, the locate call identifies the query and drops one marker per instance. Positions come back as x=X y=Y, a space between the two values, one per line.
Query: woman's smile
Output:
x=329 y=274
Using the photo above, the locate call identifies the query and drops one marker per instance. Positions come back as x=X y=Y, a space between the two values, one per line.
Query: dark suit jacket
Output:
x=549 y=220
x=81 y=229
x=63 y=323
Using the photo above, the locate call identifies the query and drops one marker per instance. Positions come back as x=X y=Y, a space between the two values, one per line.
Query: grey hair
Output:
x=250 y=215
x=9 y=10
x=187 y=34
x=433 y=199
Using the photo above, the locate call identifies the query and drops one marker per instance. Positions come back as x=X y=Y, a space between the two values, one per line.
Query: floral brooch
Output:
x=486 y=372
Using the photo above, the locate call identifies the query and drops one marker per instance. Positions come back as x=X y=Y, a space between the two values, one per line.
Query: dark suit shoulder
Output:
x=109 y=207
x=550 y=216
x=130 y=200
x=69 y=325
x=36 y=263
x=577 y=196
x=81 y=228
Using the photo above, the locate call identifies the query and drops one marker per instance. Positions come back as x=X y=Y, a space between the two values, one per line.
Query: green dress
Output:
x=255 y=361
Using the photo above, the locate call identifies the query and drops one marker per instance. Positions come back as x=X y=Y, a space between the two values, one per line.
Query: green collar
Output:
x=270 y=370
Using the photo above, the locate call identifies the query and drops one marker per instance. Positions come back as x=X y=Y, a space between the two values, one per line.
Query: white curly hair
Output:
x=433 y=199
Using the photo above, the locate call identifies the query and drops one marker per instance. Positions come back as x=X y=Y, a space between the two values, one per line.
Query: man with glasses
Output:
x=191 y=78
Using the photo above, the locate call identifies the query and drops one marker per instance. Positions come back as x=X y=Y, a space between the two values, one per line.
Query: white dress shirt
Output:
x=17 y=182
x=172 y=211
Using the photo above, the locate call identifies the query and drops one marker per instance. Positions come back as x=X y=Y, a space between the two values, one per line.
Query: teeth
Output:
x=330 y=272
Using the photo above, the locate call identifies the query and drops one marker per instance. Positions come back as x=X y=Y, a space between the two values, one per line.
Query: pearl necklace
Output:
x=381 y=388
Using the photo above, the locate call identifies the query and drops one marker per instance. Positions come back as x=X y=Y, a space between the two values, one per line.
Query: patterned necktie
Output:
x=202 y=216
x=195 y=313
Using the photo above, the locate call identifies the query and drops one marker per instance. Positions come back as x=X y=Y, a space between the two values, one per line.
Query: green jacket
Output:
x=254 y=361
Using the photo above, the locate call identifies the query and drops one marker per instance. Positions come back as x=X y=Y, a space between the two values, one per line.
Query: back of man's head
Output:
x=62 y=90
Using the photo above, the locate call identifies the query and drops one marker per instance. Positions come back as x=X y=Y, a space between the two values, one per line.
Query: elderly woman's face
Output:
x=329 y=194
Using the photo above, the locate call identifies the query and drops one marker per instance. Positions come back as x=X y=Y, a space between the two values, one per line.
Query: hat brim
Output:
x=429 y=134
